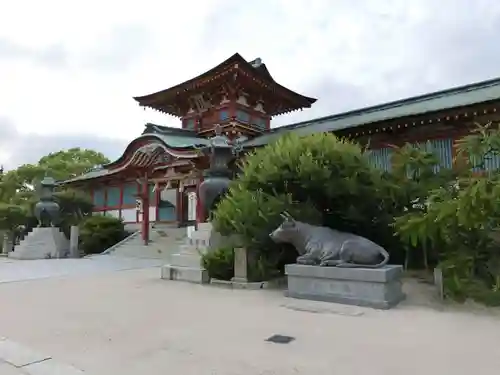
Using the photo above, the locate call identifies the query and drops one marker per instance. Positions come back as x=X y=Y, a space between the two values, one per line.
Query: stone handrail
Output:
x=110 y=249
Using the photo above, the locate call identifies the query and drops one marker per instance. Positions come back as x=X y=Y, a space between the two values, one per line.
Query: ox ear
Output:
x=288 y=218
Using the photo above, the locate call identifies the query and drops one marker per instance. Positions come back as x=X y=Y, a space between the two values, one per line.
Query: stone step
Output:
x=186 y=260
x=190 y=274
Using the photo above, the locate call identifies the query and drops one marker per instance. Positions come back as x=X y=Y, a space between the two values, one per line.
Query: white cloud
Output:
x=68 y=71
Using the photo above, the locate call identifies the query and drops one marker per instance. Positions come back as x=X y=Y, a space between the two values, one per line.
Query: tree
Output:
x=415 y=174
x=61 y=165
x=11 y=217
x=73 y=162
x=17 y=186
x=462 y=221
x=320 y=179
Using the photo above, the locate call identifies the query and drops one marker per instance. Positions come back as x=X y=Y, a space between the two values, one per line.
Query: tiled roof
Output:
x=456 y=97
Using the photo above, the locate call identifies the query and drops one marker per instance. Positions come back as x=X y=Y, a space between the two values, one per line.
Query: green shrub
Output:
x=11 y=216
x=461 y=221
x=98 y=233
x=320 y=179
x=219 y=263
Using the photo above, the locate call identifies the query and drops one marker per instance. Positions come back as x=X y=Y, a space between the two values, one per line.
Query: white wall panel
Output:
x=129 y=215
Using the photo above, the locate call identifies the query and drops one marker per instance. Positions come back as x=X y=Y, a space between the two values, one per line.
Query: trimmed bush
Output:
x=219 y=263
x=319 y=179
x=98 y=233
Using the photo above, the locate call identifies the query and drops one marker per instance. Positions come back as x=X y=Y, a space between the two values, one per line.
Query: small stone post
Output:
x=7 y=243
x=438 y=282
x=240 y=265
x=74 y=252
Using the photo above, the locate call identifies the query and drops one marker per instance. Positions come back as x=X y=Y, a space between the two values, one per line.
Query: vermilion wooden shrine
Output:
x=157 y=177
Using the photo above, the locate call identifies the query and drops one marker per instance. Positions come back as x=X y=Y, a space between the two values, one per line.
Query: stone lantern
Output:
x=217 y=177
x=47 y=209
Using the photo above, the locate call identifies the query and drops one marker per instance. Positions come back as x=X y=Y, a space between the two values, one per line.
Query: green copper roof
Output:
x=174 y=138
x=89 y=175
x=456 y=97
x=179 y=141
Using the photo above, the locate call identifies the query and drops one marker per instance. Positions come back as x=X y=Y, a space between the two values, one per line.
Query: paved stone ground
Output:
x=132 y=322
x=19 y=270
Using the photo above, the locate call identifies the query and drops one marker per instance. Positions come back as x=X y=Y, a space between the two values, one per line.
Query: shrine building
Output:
x=157 y=177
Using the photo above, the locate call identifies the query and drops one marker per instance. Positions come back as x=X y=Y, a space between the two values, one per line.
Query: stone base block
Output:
x=371 y=287
x=186 y=260
x=190 y=274
x=42 y=243
x=243 y=284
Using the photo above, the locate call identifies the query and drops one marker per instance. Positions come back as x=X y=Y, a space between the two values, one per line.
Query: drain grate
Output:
x=280 y=339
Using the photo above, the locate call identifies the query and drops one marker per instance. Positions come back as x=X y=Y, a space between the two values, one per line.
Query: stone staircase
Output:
x=185 y=264
x=164 y=241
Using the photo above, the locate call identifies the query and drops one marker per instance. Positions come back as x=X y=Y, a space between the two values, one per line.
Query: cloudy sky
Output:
x=68 y=70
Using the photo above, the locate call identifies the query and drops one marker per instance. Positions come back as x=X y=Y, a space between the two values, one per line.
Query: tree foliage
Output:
x=319 y=179
x=18 y=187
x=461 y=221
x=11 y=216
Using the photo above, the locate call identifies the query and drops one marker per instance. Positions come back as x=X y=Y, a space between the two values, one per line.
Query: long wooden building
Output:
x=157 y=177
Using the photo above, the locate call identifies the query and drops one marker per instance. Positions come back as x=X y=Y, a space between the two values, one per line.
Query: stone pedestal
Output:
x=438 y=282
x=6 y=243
x=376 y=287
x=186 y=265
x=240 y=265
x=42 y=243
x=74 y=252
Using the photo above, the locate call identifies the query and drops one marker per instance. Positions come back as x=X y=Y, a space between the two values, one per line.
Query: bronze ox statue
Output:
x=324 y=246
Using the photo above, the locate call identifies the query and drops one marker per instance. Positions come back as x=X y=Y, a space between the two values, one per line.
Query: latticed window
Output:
x=99 y=197
x=129 y=193
x=381 y=158
x=242 y=116
x=189 y=124
x=259 y=123
x=113 y=196
x=223 y=115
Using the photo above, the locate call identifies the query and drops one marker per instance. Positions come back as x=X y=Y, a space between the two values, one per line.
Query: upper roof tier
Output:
x=234 y=74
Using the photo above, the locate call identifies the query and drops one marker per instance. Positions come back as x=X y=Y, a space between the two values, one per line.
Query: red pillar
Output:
x=145 y=209
x=121 y=200
x=178 y=206
x=200 y=214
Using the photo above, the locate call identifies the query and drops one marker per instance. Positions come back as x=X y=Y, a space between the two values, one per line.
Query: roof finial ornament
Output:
x=256 y=63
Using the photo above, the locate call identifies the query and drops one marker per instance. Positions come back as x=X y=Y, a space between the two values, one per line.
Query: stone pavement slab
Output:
x=19 y=270
x=8 y=369
x=18 y=359
x=19 y=355
x=51 y=367
x=133 y=322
